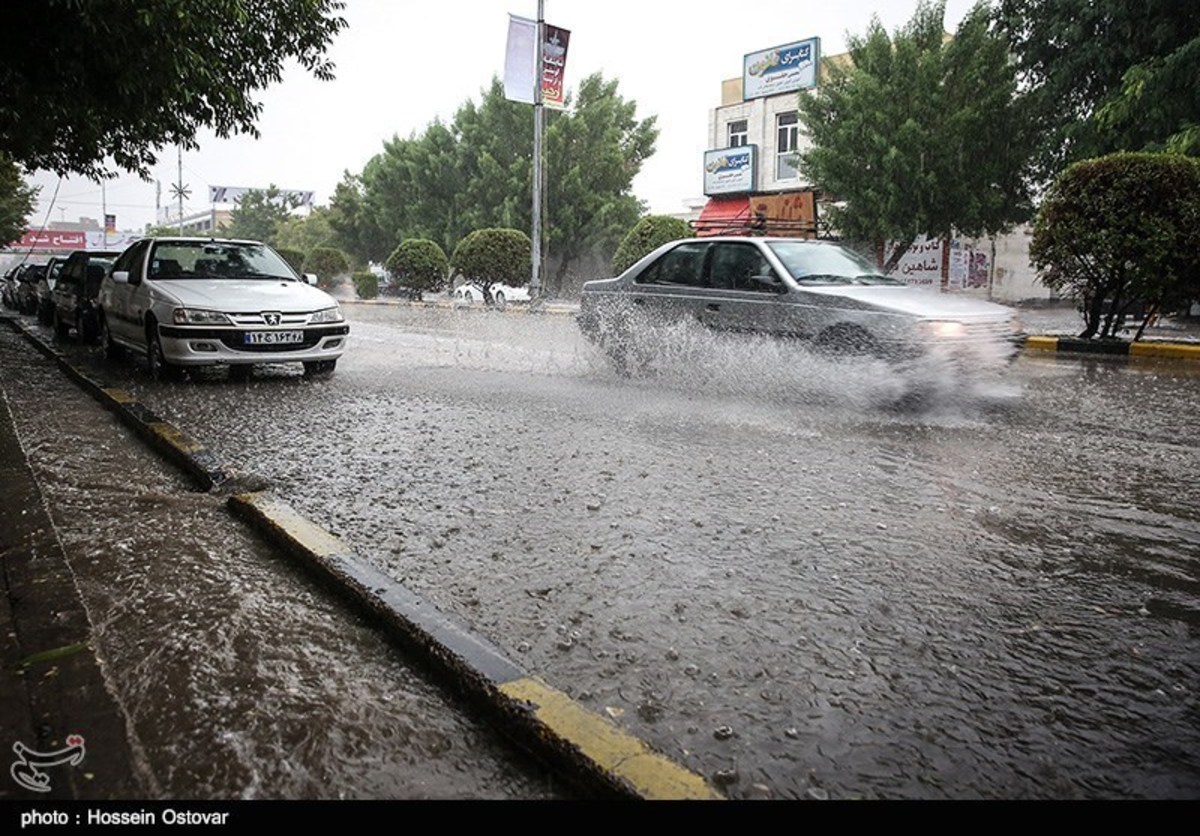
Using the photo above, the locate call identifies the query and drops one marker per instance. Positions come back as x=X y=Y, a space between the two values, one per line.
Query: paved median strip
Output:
x=543 y=719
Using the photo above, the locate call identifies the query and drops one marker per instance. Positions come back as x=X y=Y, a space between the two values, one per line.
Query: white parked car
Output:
x=502 y=294
x=197 y=301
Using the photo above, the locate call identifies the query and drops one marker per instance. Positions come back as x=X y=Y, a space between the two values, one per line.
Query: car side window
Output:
x=734 y=266
x=131 y=260
x=682 y=265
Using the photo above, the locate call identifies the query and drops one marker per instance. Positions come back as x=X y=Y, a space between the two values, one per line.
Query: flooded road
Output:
x=755 y=563
x=239 y=676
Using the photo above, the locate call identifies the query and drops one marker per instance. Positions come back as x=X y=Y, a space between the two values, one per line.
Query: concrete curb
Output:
x=539 y=717
x=204 y=467
x=1119 y=348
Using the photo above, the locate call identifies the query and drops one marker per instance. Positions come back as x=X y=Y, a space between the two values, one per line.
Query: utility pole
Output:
x=535 y=281
x=104 y=211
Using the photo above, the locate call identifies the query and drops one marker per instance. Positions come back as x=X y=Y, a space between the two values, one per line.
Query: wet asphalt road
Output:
x=754 y=563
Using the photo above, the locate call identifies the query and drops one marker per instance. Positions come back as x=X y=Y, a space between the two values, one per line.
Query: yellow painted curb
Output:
x=1176 y=351
x=305 y=534
x=623 y=756
x=120 y=396
x=1042 y=343
x=175 y=437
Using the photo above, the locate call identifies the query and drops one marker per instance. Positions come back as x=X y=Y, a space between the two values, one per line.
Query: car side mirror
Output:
x=770 y=283
x=121 y=276
x=310 y=278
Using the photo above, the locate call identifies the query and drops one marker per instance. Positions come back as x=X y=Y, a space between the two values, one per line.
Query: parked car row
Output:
x=187 y=302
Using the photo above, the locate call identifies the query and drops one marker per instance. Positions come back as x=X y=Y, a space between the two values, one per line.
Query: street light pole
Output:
x=535 y=281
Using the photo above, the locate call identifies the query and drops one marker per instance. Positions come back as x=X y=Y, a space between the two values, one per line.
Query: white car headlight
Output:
x=191 y=316
x=942 y=330
x=333 y=314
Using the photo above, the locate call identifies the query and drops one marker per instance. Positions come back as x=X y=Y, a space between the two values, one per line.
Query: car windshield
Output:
x=812 y=263
x=217 y=260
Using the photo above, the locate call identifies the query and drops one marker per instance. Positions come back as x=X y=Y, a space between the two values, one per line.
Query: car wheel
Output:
x=848 y=340
x=84 y=331
x=61 y=329
x=157 y=365
x=317 y=368
x=111 y=349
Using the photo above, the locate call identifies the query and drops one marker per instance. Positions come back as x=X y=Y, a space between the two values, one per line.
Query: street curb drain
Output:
x=545 y=720
x=541 y=718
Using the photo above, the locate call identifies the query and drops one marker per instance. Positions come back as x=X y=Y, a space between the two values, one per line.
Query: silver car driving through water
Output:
x=816 y=291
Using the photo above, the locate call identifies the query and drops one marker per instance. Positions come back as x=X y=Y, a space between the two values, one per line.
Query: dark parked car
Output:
x=27 y=281
x=75 y=292
x=45 y=286
x=8 y=287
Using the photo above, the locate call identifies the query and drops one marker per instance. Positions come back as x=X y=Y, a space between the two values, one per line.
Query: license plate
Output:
x=274 y=337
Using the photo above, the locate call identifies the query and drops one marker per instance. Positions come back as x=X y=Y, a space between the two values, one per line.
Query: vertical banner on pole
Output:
x=554 y=65
x=520 y=62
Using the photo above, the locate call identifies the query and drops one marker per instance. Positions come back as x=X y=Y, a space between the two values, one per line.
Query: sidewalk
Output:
x=51 y=685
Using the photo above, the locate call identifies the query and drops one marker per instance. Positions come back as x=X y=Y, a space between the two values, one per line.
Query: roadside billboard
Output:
x=781 y=69
x=730 y=170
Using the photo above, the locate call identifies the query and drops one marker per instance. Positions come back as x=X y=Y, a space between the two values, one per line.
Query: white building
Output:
x=752 y=183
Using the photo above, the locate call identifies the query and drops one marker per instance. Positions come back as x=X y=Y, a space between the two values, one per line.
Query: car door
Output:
x=122 y=301
x=674 y=287
x=746 y=292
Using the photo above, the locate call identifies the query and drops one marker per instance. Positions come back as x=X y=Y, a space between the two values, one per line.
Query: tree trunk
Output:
x=1151 y=313
x=898 y=253
x=1091 y=316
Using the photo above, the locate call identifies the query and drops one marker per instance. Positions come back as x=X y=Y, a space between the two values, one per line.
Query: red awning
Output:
x=724 y=216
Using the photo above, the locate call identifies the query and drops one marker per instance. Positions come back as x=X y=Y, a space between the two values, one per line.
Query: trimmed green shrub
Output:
x=1121 y=233
x=419 y=264
x=293 y=257
x=494 y=256
x=329 y=264
x=647 y=235
x=366 y=284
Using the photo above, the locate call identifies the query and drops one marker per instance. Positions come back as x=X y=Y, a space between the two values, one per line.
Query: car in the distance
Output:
x=186 y=302
x=26 y=291
x=73 y=300
x=469 y=292
x=816 y=291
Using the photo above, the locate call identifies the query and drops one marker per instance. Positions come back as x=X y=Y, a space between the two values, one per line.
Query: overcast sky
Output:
x=402 y=64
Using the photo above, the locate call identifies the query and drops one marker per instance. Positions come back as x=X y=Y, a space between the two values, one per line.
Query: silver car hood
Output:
x=927 y=304
x=245 y=295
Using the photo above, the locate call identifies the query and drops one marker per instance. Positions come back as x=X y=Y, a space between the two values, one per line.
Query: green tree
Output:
x=1121 y=231
x=489 y=257
x=16 y=201
x=329 y=264
x=1105 y=75
x=356 y=227
x=476 y=173
x=647 y=235
x=89 y=81
x=295 y=258
x=419 y=264
x=920 y=133
x=259 y=214
x=305 y=232
x=366 y=284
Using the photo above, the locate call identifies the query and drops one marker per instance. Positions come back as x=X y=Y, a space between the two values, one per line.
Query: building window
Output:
x=738 y=135
x=787 y=133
